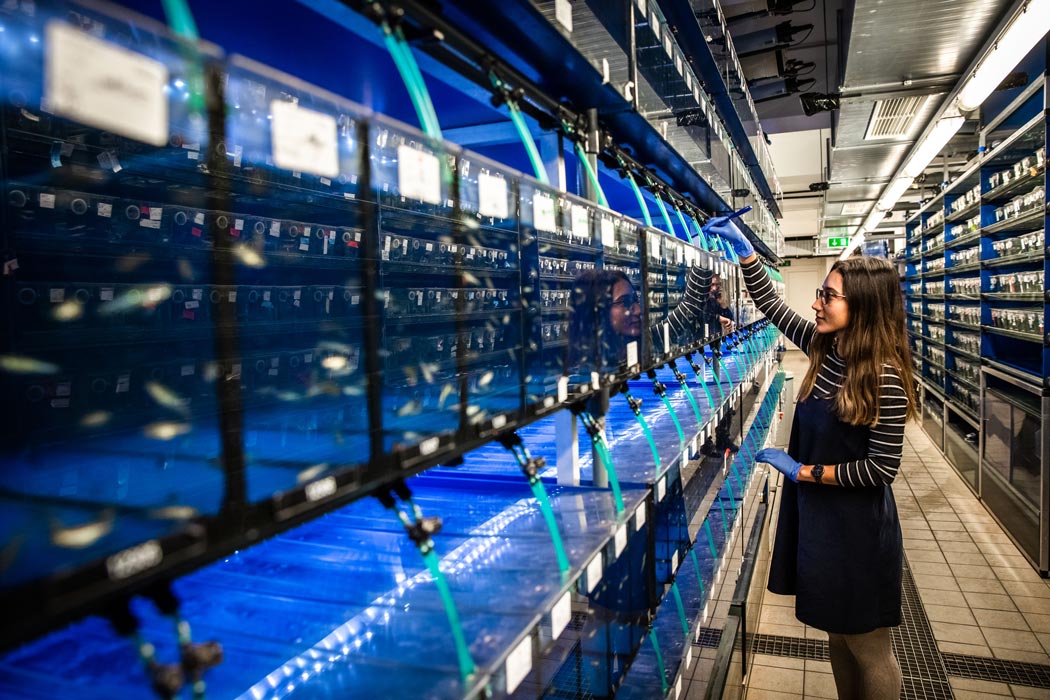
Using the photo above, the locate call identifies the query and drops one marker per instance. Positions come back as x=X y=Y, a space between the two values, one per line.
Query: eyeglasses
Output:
x=826 y=295
x=628 y=300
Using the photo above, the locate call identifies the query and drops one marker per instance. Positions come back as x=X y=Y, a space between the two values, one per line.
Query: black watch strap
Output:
x=817 y=472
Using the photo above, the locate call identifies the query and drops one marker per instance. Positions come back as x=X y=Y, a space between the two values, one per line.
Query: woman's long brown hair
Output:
x=875 y=336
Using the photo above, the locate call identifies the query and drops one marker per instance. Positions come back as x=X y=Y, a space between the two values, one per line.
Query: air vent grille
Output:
x=892 y=118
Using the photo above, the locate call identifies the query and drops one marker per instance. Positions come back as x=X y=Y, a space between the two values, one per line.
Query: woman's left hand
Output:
x=781 y=461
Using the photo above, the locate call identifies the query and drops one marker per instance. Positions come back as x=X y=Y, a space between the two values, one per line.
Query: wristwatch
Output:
x=817 y=472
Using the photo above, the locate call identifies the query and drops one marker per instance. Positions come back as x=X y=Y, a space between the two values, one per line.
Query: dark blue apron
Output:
x=837 y=549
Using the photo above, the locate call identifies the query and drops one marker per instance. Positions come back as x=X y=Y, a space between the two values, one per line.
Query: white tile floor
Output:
x=981 y=596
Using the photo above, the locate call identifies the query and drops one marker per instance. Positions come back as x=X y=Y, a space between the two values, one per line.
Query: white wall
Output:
x=801 y=280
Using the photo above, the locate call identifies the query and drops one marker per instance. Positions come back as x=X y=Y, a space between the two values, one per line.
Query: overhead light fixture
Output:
x=874 y=219
x=893 y=193
x=857 y=241
x=1022 y=34
x=930 y=146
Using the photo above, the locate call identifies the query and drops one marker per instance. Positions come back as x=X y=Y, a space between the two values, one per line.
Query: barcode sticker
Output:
x=561 y=614
x=97 y=83
x=519 y=663
x=608 y=233
x=594 y=573
x=304 y=140
x=492 y=196
x=418 y=175
x=543 y=218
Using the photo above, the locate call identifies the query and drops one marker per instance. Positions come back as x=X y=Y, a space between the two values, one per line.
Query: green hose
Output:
x=614 y=481
x=681 y=610
x=659 y=660
x=421 y=86
x=641 y=200
x=692 y=401
x=648 y=434
x=674 y=417
x=718 y=383
x=722 y=512
x=710 y=539
x=530 y=145
x=466 y=663
x=591 y=175
x=703 y=384
x=540 y=492
x=696 y=567
x=663 y=211
x=700 y=235
x=410 y=83
x=681 y=220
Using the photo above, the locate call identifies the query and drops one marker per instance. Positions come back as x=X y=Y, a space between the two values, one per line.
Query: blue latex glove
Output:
x=781 y=461
x=731 y=233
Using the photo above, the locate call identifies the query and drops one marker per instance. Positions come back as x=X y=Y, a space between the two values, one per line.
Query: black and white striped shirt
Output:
x=886 y=441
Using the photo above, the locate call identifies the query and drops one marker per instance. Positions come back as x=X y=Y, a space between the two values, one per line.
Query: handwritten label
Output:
x=492 y=196
x=581 y=222
x=543 y=218
x=97 y=83
x=304 y=140
x=418 y=175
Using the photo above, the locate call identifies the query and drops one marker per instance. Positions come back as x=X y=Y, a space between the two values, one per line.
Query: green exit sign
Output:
x=838 y=242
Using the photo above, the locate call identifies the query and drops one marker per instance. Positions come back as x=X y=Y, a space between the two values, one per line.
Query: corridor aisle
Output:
x=976 y=614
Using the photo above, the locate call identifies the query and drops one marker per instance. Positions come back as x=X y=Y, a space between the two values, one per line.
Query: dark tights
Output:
x=864 y=666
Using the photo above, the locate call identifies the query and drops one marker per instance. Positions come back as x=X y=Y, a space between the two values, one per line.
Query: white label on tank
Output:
x=654 y=22
x=674 y=562
x=304 y=140
x=688 y=656
x=696 y=443
x=94 y=82
x=543 y=218
x=57 y=295
x=620 y=541
x=561 y=614
x=322 y=488
x=608 y=233
x=134 y=560
x=563 y=389
x=418 y=175
x=668 y=46
x=678 y=688
x=661 y=489
x=667 y=337
x=678 y=64
x=639 y=517
x=596 y=381
x=106 y=294
x=519 y=663
x=642 y=7
x=498 y=422
x=47 y=201
x=105 y=210
x=654 y=245
x=594 y=573
x=632 y=353
x=429 y=445
x=581 y=223
x=563 y=13
x=492 y=196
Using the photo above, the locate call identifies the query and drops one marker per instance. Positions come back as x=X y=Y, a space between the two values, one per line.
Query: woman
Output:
x=838 y=544
x=607 y=317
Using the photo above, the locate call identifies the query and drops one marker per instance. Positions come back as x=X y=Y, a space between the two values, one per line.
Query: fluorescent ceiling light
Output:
x=893 y=193
x=1021 y=35
x=933 y=143
x=874 y=219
